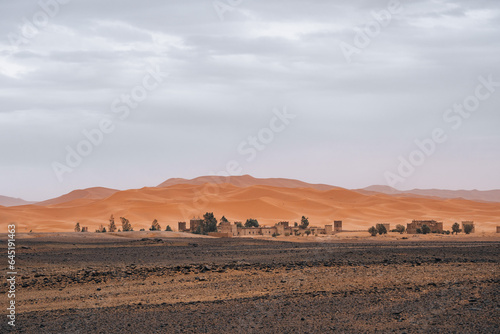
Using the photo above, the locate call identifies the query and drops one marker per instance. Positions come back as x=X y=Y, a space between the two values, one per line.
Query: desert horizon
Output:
x=242 y=197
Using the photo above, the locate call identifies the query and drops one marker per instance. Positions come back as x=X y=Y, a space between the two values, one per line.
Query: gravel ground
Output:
x=168 y=285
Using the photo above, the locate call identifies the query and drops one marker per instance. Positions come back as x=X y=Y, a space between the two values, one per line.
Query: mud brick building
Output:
x=182 y=227
x=436 y=227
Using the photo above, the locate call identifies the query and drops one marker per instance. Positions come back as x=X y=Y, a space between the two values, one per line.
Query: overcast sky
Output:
x=357 y=92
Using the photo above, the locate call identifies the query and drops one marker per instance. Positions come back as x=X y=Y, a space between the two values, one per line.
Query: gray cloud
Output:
x=225 y=77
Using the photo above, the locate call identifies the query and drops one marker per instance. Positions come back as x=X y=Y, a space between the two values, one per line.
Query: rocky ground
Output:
x=181 y=285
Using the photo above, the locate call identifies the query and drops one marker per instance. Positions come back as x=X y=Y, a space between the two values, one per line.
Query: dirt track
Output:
x=174 y=285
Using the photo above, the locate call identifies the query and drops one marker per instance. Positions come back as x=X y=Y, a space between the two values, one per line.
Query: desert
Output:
x=163 y=282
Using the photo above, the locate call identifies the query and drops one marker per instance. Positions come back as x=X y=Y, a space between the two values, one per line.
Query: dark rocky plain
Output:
x=203 y=285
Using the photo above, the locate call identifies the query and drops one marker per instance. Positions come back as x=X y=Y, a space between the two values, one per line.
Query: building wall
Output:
x=435 y=226
x=220 y=235
x=181 y=226
x=194 y=223
x=498 y=229
x=337 y=225
x=328 y=229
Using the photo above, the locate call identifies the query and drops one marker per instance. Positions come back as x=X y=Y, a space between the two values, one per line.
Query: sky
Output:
x=123 y=94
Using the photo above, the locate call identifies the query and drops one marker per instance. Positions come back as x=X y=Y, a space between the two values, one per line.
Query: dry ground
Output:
x=123 y=283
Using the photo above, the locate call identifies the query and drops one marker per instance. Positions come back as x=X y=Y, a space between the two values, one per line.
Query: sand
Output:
x=268 y=204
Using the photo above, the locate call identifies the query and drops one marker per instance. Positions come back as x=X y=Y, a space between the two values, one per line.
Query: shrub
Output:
x=373 y=231
x=455 y=228
x=287 y=234
x=168 y=229
x=419 y=231
x=400 y=228
x=381 y=229
x=426 y=229
x=77 y=227
x=142 y=230
x=101 y=229
x=275 y=235
x=468 y=228
x=155 y=226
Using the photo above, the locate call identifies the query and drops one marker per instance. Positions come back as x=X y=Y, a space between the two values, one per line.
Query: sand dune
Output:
x=246 y=181
x=268 y=204
x=89 y=193
x=11 y=201
x=473 y=195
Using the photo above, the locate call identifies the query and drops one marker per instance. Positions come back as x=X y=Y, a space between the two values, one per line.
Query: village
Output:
x=226 y=229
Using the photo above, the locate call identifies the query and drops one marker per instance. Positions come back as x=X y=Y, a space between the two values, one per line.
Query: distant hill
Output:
x=11 y=201
x=89 y=193
x=247 y=181
x=473 y=195
x=267 y=204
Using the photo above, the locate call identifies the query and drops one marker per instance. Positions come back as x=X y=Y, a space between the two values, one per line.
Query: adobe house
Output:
x=182 y=226
x=194 y=224
x=329 y=229
x=498 y=229
x=228 y=228
x=469 y=222
x=337 y=226
x=436 y=227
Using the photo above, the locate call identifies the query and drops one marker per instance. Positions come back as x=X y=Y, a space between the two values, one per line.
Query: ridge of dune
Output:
x=12 y=201
x=246 y=181
x=268 y=204
x=474 y=195
x=88 y=193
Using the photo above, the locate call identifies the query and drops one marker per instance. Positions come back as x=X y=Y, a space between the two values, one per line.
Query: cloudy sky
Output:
x=125 y=94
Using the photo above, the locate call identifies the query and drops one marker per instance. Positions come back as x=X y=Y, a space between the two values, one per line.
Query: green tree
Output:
x=295 y=224
x=304 y=222
x=251 y=223
x=224 y=220
x=155 y=226
x=126 y=226
x=308 y=232
x=209 y=223
x=168 y=229
x=373 y=231
x=112 y=225
x=426 y=229
x=239 y=224
x=400 y=228
x=455 y=228
x=381 y=229
x=77 y=227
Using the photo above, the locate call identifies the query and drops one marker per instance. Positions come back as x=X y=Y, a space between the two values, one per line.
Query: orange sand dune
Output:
x=268 y=204
x=89 y=193
x=246 y=181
